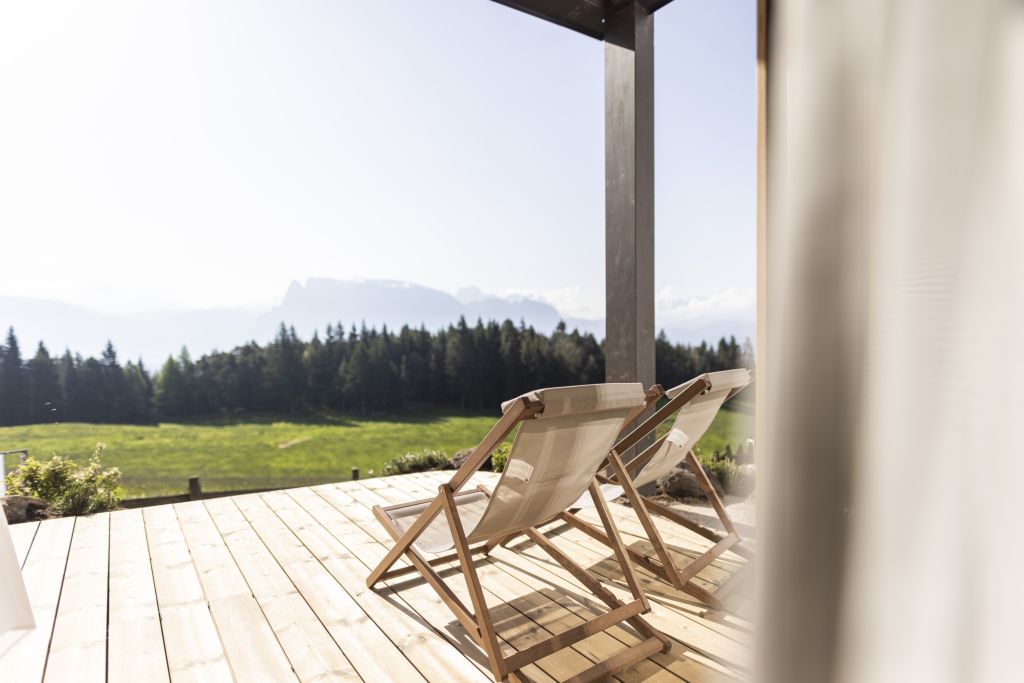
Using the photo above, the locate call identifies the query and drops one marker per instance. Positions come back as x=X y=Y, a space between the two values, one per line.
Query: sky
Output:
x=168 y=155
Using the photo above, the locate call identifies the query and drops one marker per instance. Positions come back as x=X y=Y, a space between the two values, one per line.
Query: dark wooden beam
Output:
x=585 y=16
x=629 y=195
x=653 y=6
x=588 y=17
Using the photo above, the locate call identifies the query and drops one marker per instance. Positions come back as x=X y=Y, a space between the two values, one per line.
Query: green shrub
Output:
x=68 y=488
x=499 y=457
x=424 y=461
x=723 y=468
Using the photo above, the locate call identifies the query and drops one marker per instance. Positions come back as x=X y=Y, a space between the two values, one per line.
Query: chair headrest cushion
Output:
x=584 y=398
x=723 y=380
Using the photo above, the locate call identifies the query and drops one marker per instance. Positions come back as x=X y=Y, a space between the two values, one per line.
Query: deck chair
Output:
x=564 y=435
x=695 y=405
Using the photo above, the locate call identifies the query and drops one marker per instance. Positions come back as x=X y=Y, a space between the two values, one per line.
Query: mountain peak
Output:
x=308 y=307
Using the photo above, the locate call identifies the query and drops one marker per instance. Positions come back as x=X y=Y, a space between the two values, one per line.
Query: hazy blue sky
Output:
x=205 y=153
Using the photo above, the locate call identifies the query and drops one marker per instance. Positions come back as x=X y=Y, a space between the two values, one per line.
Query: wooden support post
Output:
x=629 y=197
x=355 y=474
x=195 y=491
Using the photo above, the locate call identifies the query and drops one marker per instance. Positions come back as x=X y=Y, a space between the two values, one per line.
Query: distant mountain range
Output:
x=309 y=307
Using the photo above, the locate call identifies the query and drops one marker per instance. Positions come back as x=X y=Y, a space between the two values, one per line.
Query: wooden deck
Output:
x=270 y=587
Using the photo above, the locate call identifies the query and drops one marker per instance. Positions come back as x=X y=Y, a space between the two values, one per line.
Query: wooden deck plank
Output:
x=135 y=643
x=271 y=587
x=362 y=538
x=22 y=535
x=251 y=646
x=193 y=646
x=312 y=651
x=427 y=651
x=551 y=615
x=373 y=655
x=25 y=651
x=78 y=648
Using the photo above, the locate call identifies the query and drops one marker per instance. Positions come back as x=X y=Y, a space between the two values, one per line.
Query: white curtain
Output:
x=15 y=611
x=893 y=510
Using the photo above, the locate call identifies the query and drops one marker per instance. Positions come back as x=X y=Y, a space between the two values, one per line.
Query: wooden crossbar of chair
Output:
x=621 y=474
x=476 y=619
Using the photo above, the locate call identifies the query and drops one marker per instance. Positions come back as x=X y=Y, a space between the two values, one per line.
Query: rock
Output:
x=23 y=509
x=462 y=456
x=683 y=484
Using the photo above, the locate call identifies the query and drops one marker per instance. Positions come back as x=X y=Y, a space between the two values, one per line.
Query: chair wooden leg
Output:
x=595 y=587
x=669 y=570
x=617 y=546
x=488 y=638
x=709 y=491
x=565 y=639
x=734 y=581
x=709 y=556
x=639 y=558
x=403 y=542
x=653 y=566
x=665 y=566
x=618 y=661
x=460 y=611
x=451 y=557
x=710 y=534
x=503 y=542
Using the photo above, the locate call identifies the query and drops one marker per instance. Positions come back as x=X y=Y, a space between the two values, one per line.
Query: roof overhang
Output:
x=584 y=16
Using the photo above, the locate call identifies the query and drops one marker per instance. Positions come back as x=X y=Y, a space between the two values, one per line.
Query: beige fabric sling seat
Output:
x=695 y=405
x=564 y=435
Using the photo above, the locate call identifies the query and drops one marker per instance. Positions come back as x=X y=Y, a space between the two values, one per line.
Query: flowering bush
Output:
x=68 y=488
x=424 y=461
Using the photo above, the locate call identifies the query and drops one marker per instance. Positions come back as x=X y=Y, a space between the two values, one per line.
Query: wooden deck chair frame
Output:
x=621 y=474
x=478 y=622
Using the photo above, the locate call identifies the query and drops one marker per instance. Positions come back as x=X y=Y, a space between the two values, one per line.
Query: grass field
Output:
x=273 y=451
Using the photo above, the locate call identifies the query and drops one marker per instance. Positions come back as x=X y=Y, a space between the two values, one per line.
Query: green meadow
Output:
x=275 y=451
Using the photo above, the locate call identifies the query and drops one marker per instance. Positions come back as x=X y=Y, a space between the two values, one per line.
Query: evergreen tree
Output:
x=171 y=391
x=364 y=371
x=285 y=375
x=90 y=375
x=44 y=387
x=68 y=375
x=355 y=380
x=111 y=391
x=135 y=403
x=14 y=399
x=458 y=364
